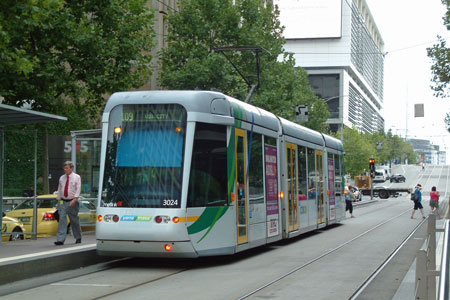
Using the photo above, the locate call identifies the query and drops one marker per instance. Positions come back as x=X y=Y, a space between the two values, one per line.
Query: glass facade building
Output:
x=346 y=71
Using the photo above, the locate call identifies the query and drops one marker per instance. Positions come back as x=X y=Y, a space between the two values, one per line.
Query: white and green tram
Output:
x=198 y=173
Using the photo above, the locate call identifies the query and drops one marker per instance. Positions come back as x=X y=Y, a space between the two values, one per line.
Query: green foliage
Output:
x=72 y=51
x=19 y=161
x=190 y=62
x=64 y=57
x=383 y=147
x=440 y=69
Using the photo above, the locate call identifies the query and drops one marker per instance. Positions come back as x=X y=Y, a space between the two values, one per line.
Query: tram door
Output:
x=320 y=195
x=291 y=155
x=241 y=184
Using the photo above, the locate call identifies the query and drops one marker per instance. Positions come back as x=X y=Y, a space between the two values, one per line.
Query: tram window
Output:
x=208 y=177
x=338 y=176
x=302 y=173
x=255 y=169
x=313 y=177
x=140 y=172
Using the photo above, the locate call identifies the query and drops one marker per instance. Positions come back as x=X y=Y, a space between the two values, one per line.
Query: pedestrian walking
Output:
x=434 y=201
x=69 y=189
x=418 y=201
x=349 y=197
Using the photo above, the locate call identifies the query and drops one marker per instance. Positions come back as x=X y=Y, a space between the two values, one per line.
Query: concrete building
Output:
x=428 y=153
x=162 y=8
x=339 y=45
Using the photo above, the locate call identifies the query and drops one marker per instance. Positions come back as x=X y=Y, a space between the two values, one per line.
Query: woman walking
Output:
x=417 y=202
x=434 y=201
x=349 y=197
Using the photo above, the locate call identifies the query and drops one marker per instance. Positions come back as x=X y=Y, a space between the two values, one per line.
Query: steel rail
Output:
x=323 y=255
x=377 y=271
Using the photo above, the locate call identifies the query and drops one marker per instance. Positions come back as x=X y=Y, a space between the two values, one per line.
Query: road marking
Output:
x=83 y=284
x=47 y=252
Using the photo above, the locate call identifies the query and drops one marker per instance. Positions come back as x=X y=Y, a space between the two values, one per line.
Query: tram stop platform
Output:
x=29 y=258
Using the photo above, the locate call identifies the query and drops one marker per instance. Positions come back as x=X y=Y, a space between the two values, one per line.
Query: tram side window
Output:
x=208 y=176
x=255 y=170
x=339 y=174
x=313 y=176
x=302 y=173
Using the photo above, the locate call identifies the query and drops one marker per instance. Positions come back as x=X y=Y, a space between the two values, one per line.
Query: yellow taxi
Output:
x=11 y=225
x=47 y=225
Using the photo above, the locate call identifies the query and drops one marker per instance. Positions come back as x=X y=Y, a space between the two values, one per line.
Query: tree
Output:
x=440 y=69
x=190 y=62
x=383 y=147
x=358 y=149
x=56 y=53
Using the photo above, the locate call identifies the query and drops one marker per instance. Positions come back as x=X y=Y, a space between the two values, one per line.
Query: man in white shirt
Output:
x=69 y=189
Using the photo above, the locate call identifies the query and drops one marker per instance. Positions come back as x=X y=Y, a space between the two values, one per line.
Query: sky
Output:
x=408 y=27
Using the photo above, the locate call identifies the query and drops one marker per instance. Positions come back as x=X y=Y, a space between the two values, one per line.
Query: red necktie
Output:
x=66 y=188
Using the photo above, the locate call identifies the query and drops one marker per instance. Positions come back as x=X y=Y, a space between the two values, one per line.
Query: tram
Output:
x=199 y=173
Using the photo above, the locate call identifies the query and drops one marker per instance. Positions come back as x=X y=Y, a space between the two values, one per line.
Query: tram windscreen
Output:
x=144 y=156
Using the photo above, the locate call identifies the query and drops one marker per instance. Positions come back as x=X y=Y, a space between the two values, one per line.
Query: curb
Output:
x=29 y=268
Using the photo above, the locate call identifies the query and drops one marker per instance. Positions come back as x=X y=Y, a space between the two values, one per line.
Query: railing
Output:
x=444 y=279
x=10 y=202
x=426 y=271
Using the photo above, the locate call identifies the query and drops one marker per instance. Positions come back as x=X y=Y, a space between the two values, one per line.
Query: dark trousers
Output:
x=349 y=206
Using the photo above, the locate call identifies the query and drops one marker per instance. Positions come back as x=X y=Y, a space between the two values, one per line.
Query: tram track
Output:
x=105 y=296
x=156 y=276
x=325 y=254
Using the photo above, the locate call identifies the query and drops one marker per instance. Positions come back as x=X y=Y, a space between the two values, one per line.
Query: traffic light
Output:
x=372 y=167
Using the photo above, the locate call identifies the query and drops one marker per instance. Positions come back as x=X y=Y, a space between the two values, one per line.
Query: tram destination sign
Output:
x=152 y=113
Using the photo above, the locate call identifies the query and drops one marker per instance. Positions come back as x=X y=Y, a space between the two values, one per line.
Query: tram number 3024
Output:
x=167 y=202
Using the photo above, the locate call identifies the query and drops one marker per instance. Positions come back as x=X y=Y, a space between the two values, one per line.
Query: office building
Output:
x=339 y=45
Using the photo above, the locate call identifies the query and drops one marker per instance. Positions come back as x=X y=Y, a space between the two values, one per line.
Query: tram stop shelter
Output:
x=11 y=115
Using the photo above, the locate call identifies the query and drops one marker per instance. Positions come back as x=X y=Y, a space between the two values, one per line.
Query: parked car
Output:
x=47 y=225
x=357 y=193
x=12 y=225
x=398 y=178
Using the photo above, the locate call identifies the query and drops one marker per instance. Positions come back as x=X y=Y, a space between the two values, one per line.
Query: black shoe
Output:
x=58 y=243
x=78 y=241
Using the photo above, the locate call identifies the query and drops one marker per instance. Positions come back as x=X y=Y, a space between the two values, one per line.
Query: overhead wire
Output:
x=166 y=5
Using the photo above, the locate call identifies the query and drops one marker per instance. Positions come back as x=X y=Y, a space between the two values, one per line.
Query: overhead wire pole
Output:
x=257 y=50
